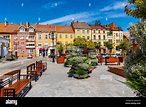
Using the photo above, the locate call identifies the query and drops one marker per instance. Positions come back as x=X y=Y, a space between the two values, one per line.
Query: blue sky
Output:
x=62 y=12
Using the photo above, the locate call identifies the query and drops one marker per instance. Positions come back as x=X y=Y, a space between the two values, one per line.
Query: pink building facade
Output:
x=23 y=41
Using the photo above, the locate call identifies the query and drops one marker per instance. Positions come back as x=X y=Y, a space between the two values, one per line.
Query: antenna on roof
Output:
x=5 y=19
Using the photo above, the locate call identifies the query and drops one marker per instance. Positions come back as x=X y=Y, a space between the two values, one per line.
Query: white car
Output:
x=29 y=56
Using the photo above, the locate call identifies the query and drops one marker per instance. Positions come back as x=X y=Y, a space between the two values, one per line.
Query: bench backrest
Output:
x=39 y=64
x=31 y=67
x=10 y=77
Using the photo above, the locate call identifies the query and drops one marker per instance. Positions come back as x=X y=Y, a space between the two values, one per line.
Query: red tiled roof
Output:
x=97 y=27
x=80 y=25
x=44 y=28
x=9 y=28
x=113 y=26
x=64 y=29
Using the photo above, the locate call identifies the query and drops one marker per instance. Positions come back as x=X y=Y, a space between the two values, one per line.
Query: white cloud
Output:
x=68 y=18
x=114 y=6
x=117 y=15
x=53 y=4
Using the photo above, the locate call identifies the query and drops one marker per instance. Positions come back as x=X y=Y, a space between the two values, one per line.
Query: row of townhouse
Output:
x=35 y=38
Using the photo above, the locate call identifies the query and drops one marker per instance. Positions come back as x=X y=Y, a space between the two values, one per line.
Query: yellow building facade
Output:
x=81 y=29
x=44 y=43
x=115 y=36
x=65 y=34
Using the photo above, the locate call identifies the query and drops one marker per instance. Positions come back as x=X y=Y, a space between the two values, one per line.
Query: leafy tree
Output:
x=90 y=45
x=60 y=48
x=125 y=46
x=136 y=8
x=135 y=62
x=80 y=41
x=97 y=45
x=109 y=46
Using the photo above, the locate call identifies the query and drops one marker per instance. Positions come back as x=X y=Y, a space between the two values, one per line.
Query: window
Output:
x=99 y=37
x=15 y=38
x=39 y=37
x=88 y=32
x=103 y=37
x=78 y=36
x=22 y=51
x=94 y=37
x=39 y=44
x=103 y=31
x=46 y=44
x=98 y=31
x=88 y=37
x=66 y=36
x=7 y=37
x=30 y=50
x=22 y=43
x=83 y=36
x=31 y=29
x=70 y=36
x=117 y=40
x=78 y=31
x=110 y=40
x=117 y=34
x=46 y=36
x=31 y=37
x=94 y=31
x=22 y=29
x=83 y=31
x=22 y=37
x=60 y=36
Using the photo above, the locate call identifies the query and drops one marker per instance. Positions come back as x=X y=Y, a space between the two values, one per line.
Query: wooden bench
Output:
x=112 y=60
x=35 y=71
x=119 y=70
x=42 y=65
x=16 y=84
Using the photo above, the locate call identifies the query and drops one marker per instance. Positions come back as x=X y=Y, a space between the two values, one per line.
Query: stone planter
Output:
x=60 y=60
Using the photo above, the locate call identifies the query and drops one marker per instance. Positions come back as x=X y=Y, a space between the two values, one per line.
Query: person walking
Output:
x=43 y=54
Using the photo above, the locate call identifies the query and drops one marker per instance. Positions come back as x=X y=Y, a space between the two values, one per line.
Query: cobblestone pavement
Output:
x=55 y=82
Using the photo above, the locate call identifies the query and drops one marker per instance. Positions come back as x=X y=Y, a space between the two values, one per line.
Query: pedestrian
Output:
x=43 y=54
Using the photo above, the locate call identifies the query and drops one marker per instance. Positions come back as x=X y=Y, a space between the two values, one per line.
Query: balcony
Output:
x=30 y=40
x=30 y=47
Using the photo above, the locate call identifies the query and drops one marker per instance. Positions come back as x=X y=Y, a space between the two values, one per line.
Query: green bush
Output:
x=81 y=72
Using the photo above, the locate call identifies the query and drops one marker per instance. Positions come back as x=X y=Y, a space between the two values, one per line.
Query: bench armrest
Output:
x=25 y=75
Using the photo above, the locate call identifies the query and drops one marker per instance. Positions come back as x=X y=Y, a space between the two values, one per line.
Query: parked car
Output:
x=29 y=56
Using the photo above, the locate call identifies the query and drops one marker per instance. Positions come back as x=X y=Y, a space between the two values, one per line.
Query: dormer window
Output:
x=22 y=29
x=31 y=29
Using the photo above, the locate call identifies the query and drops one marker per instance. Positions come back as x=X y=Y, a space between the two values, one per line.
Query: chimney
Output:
x=20 y=23
x=6 y=23
x=27 y=24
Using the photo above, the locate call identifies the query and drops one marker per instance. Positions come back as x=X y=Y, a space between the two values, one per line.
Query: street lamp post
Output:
x=16 y=48
x=53 y=50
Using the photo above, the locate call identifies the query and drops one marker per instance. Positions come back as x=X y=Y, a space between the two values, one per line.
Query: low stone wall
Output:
x=119 y=70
